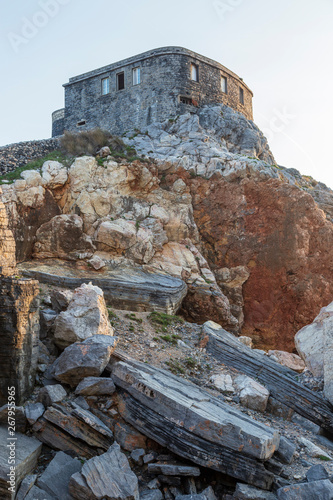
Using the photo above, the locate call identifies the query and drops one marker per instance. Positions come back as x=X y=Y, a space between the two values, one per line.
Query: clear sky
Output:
x=282 y=49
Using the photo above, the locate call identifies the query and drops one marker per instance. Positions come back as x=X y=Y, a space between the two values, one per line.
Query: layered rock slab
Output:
x=192 y=423
x=108 y=476
x=26 y=451
x=128 y=288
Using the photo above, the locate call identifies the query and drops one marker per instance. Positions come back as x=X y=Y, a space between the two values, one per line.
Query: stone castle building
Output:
x=153 y=86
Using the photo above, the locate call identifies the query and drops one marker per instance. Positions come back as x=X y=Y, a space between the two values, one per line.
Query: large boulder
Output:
x=85 y=316
x=310 y=341
x=84 y=359
x=63 y=237
x=108 y=476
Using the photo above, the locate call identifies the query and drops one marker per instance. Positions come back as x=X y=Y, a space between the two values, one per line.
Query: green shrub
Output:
x=87 y=142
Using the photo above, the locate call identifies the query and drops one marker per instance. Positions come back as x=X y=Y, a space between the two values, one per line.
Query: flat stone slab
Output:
x=26 y=450
x=55 y=479
x=195 y=409
x=192 y=423
x=173 y=470
x=107 y=476
x=128 y=288
x=315 y=490
x=70 y=427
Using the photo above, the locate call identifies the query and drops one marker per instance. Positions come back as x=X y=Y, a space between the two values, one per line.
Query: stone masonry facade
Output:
x=153 y=86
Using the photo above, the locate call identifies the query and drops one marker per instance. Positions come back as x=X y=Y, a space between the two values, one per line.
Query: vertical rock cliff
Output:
x=19 y=321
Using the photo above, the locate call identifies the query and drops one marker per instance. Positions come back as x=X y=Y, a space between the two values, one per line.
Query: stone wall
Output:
x=165 y=84
x=19 y=154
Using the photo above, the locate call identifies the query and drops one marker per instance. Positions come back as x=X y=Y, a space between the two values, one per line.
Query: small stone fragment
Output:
x=33 y=411
x=51 y=394
x=173 y=470
x=316 y=473
x=137 y=456
x=314 y=450
x=95 y=386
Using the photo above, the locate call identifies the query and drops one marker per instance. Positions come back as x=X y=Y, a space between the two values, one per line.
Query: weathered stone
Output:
x=19 y=323
x=286 y=450
x=51 y=394
x=104 y=152
x=281 y=381
x=246 y=341
x=108 y=476
x=173 y=470
x=207 y=494
x=84 y=359
x=307 y=491
x=55 y=479
x=26 y=451
x=314 y=450
x=25 y=486
x=70 y=427
x=279 y=409
x=223 y=383
x=151 y=495
x=85 y=316
x=38 y=494
x=288 y=359
x=129 y=288
x=128 y=437
x=310 y=341
x=54 y=174
x=95 y=386
x=63 y=237
x=316 y=473
x=137 y=455
x=278 y=235
x=47 y=318
x=33 y=411
x=162 y=399
x=252 y=394
x=96 y=262
x=79 y=489
x=20 y=417
x=19 y=332
x=61 y=299
x=246 y=492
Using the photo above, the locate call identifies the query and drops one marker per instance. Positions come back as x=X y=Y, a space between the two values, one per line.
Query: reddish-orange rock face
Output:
x=284 y=239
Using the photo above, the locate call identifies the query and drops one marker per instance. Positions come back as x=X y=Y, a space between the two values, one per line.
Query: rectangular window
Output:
x=241 y=95
x=185 y=100
x=120 y=81
x=105 y=86
x=194 y=73
x=136 y=76
x=224 y=87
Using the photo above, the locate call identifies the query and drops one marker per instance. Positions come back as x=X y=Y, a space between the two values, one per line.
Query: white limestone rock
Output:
x=310 y=341
x=223 y=383
x=85 y=316
x=313 y=450
x=54 y=174
x=252 y=394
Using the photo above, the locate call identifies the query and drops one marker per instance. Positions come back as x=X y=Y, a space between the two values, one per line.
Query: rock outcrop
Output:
x=116 y=216
x=278 y=232
x=19 y=322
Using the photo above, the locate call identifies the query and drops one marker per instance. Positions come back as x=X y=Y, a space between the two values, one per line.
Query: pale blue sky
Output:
x=281 y=49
